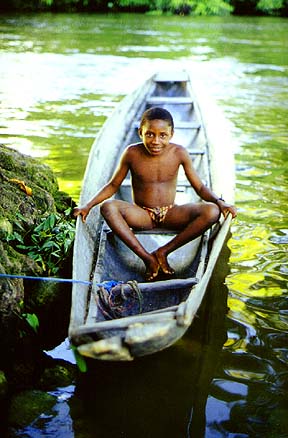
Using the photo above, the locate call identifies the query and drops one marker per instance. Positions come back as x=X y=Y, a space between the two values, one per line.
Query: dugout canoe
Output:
x=115 y=314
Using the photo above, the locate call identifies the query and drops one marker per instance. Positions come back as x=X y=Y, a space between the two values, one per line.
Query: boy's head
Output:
x=156 y=130
x=156 y=113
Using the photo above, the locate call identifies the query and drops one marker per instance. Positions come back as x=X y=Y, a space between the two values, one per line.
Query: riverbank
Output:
x=36 y=238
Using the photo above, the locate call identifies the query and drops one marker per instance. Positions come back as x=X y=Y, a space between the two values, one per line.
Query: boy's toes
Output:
x=162 y=260
x=152 y=270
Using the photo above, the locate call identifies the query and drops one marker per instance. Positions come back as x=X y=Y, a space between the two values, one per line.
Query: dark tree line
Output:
x=183 y=7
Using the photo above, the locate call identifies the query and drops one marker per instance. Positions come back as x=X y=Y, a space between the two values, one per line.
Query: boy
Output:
x=154 y=165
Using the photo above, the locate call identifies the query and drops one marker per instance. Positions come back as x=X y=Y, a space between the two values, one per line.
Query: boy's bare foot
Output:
x=162 y=260
x=152 y=268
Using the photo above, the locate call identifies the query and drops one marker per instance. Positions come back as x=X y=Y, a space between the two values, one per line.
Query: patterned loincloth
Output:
x=157 y=214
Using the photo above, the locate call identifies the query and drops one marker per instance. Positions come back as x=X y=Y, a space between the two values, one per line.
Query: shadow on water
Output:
x=162 y=395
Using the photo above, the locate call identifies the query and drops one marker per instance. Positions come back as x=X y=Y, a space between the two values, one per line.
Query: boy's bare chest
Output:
x=155 y=170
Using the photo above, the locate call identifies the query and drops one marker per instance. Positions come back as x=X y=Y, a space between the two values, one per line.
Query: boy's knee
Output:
x=106 y=208
x=213 y=212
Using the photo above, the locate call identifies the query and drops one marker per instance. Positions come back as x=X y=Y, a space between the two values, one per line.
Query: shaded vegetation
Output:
x=48 y=243
x=182 y=7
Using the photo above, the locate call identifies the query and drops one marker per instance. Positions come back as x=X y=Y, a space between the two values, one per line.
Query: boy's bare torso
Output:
x=154 y=178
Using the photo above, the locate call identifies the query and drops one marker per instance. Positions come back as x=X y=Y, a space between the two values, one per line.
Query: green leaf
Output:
x=48 y=244
x=21 y=247
x=51 y=220
x=80 y=361
x=32 y=320
x=67 y=244
x=20 y=216
x=38 y=228
x=68 y=211
x=17 y=236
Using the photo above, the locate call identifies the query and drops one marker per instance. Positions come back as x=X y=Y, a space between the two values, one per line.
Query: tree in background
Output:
x=211 y=7
x=271 y=7
x=260 y=7
x=193 y=7
x=182 y=7
x=208 y=7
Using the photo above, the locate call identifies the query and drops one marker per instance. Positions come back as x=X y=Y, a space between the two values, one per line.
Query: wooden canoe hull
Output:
x=100 y=256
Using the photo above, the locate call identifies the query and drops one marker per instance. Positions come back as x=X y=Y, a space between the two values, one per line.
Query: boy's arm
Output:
x=203 y=191
x=107 y=190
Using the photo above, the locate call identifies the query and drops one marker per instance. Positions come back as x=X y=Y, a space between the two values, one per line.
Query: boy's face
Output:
x=156 y=135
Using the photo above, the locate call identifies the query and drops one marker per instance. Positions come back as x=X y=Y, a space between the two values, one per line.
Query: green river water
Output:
x=61 y=76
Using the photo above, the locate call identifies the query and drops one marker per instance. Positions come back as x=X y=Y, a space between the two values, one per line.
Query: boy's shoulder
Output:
x=134 y=145
x=133 y=148
x=178 y=148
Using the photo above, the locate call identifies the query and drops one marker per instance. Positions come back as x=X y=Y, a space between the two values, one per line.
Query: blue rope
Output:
x=111 y=305
x=60 y=280
x=108 y=285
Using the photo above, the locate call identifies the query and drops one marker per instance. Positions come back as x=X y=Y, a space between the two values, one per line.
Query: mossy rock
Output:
x=60 y=375
x=14 y=262
x=12 y=290
x=29 y=192
x=23 y=167
x=34 y=175
x=5 y=227
x=27 y=406
x=17 y=173
x=20 y=209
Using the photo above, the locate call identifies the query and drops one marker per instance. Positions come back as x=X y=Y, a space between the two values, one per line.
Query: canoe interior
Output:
x=115 y=260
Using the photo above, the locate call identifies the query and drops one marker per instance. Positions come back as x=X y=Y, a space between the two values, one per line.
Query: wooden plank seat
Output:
x=197 y=152
x=187 y=125
x=107 y=229
x=159 y=100
x=177 y=76
x=161 y=231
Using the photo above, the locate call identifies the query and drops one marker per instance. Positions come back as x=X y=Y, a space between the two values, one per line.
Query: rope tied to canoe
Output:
x=115 y=301
x=51 y=279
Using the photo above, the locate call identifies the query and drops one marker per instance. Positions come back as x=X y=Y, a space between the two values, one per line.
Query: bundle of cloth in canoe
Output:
x=117 y=299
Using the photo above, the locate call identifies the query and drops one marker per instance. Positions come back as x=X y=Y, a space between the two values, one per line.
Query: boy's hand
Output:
x=227 y=208
x=81 y=211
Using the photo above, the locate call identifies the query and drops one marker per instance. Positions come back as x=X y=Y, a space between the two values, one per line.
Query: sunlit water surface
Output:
x=61 y=77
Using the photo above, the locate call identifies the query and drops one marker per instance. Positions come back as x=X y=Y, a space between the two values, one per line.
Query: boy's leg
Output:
x=192 y=220
x=120 y=216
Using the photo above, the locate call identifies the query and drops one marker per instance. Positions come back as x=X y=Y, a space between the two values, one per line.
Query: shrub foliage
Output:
x=183 y=7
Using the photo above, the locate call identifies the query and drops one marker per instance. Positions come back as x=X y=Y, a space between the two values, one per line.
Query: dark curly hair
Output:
x=157 y=113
